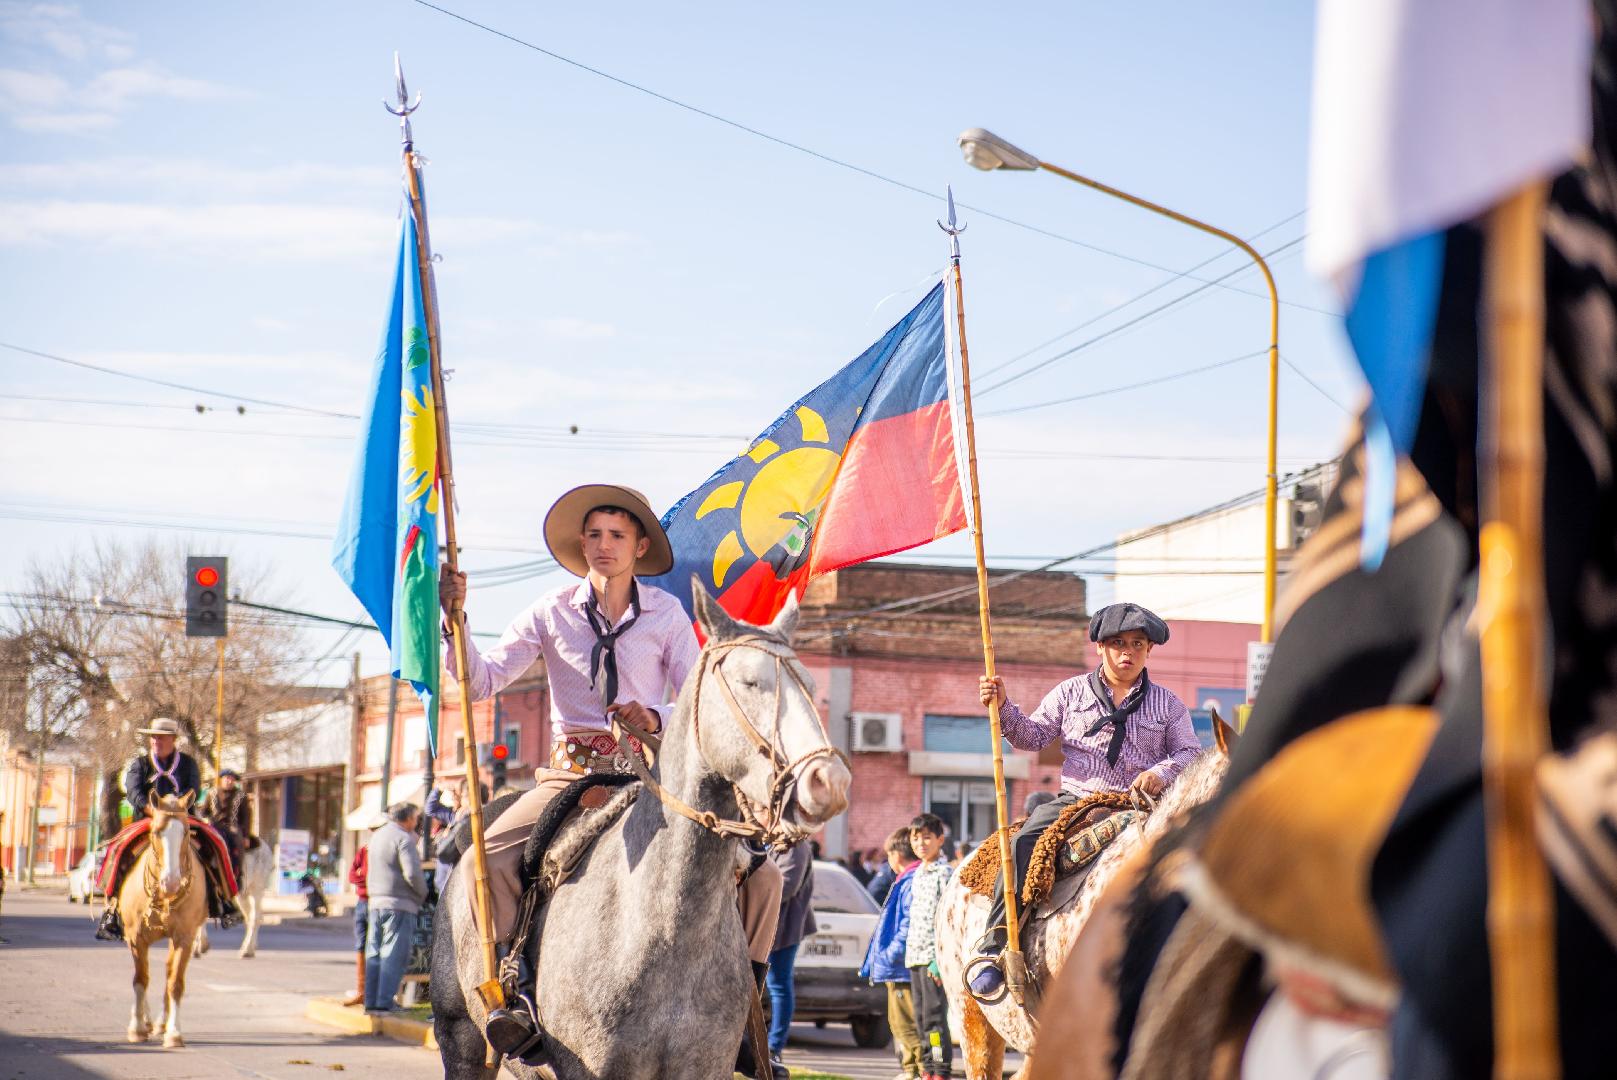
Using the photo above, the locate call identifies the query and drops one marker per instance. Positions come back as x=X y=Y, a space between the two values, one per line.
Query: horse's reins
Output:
x=764 y=822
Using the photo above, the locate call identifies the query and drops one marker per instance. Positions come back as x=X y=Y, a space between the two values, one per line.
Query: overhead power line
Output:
x=817 y=154
x=173 y=385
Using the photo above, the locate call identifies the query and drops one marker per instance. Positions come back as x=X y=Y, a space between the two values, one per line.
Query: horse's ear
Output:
x=715 y=622
x=1224 y=736
x=187 y=799
x=785 y=624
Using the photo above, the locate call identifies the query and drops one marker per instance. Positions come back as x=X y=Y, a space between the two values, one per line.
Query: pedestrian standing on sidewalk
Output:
x=929 y=878
x=796 y=922
x=395 y=888
x=356 y=877
x=884 y=959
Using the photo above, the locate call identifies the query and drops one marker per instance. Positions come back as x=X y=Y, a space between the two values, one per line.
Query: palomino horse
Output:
x=257 y=867
x=962 y=919
x=163 y=896
x=642 y=962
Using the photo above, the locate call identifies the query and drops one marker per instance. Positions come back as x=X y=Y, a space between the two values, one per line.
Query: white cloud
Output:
x=20 y=90
x=570 y=329
x=61 y=29
x=38 y=100
x=218 y=180
x=241 y=231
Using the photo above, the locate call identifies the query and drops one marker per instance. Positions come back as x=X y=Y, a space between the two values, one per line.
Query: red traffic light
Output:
x=500 y=751
x=207 y=576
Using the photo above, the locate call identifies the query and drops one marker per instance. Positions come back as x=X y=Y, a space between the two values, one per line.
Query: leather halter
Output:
x=762 y=822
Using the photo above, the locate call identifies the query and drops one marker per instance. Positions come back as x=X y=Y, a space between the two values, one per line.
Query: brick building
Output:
x=521 y=711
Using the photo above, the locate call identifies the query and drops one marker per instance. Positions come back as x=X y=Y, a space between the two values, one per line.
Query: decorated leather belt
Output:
x=585 y=753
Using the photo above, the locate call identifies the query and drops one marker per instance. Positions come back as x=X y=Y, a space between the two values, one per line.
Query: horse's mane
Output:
x=1155 y=907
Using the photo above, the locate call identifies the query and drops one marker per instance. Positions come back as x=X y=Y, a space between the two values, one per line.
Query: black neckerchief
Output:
x=1117 y=717
x=604 y=657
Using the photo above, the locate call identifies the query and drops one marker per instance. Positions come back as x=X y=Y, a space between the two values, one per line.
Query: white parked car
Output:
x=81 y=880
x=827 y=974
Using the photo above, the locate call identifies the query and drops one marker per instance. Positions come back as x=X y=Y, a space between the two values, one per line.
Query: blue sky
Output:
x=209 y=196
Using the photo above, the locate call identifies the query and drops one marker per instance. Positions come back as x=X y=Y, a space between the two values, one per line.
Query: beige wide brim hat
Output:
x=564 y=525
x=162 y=726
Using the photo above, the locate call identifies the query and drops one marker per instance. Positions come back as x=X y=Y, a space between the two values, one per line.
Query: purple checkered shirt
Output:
x=1159 y=736
x=654 y=656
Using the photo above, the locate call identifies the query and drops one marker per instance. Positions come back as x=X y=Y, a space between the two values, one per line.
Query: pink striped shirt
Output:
x=1159 y=736
x=654 y=656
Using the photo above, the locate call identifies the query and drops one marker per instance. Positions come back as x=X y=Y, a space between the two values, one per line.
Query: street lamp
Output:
x=987 y=151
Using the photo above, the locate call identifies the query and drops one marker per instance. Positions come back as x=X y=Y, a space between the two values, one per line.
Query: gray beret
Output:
x=1115 y=619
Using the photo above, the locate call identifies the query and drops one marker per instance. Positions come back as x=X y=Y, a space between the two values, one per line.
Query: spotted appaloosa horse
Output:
x=163 y=896
x=963 y=918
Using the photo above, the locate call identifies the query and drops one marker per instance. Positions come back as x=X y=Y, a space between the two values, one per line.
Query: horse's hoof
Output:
x=137 y=1036
x=170 y=1041
x=247 y=954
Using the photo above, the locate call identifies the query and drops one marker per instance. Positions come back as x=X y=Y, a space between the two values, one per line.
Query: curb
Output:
x=333 y=1013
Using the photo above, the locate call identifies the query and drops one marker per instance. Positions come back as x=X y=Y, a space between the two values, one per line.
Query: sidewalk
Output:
x=414 y=1026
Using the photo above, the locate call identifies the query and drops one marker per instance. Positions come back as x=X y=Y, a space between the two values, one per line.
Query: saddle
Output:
x=218 y=875
x=1070 y=845
x=560 y=839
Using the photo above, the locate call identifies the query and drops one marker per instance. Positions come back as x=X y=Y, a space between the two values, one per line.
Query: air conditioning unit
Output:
x=875 y=731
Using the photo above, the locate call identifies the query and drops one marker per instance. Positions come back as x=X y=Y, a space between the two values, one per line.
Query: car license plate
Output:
x=825 y=947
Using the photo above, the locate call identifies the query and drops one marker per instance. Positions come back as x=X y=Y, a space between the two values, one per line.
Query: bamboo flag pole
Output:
x=1016 y=976
x=1510 y=603
x=493 y=997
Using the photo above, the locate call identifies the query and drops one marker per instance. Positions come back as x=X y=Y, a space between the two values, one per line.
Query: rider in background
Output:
x=228 y=810
x=166 y=770
x=1119 y=731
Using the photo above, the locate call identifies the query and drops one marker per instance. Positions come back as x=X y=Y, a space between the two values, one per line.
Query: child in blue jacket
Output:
x=884 y=959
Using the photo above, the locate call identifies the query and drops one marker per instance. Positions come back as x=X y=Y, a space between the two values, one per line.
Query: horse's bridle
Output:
x=765 y=822
x=158 y=902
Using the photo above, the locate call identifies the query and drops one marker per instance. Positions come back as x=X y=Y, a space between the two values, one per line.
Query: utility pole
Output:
x=356 y=737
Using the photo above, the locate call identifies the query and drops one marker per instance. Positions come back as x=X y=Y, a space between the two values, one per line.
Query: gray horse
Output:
x=642 y=962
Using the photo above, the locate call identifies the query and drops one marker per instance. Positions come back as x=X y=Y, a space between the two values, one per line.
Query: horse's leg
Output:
x=179 y=955
x=200 y=946
x=140 y=1025
x=249 y=936
x=983 y=1047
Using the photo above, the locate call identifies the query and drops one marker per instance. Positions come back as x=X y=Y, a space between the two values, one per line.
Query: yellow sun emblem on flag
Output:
x=420 y=444
x=780 y=505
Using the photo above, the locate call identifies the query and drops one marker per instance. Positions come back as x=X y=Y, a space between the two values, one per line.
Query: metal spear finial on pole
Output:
x=405 y=106
x=1017 y=982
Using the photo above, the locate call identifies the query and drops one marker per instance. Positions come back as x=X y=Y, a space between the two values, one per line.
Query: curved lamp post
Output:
x=987 y=151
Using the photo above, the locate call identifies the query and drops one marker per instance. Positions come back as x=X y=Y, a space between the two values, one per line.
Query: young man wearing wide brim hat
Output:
x=614 y=648
x=1119 y=731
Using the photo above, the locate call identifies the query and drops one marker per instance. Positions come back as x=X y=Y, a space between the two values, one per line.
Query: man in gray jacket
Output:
x=396 y=888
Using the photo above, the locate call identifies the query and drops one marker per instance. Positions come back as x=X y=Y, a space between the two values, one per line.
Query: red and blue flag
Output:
x=863 y=465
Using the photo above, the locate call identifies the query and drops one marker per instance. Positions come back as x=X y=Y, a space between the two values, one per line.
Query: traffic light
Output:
x=206 y=580
x=499 y=754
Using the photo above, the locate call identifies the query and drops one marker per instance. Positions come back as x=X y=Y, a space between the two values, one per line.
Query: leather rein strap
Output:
x=758 y=822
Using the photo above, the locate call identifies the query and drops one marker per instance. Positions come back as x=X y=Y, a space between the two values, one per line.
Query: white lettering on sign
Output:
x=1257 y=666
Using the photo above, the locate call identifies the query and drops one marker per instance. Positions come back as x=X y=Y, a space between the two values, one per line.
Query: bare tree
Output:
x=99 y=649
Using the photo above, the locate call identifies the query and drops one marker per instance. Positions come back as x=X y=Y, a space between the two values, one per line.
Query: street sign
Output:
x=1257 y=666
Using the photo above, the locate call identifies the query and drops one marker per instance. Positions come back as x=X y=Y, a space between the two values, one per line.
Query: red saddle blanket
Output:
x=125 y=845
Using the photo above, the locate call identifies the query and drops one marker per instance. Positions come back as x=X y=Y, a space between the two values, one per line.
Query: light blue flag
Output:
x=386 y=548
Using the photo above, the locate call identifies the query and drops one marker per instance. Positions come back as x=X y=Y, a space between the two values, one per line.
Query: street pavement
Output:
x=65 y=998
